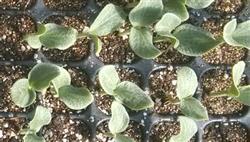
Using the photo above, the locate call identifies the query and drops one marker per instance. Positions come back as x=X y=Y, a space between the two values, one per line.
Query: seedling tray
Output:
x=93 y=116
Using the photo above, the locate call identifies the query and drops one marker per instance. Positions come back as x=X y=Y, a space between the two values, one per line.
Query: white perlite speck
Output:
x=1 y=133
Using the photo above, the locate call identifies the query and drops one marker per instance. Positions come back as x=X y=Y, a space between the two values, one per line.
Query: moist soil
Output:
x=10 y=129
x=162 y=85
x=65 y=129
x=134 y=131
x=13 y=30
x=104 y=101
x=225 y=132
x=8 y=76
x=80 y=50
x=78 y=79
x=214 y=81
x=65 y=4
x=16 y=4
x=162 y=131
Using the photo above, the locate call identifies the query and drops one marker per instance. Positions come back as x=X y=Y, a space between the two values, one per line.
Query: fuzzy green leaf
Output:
x=193 y=108
x=33 y=138
x=132 y=96
x=178 y=8
x=122 y=138
x=141 y=42
x=244 y=96
x=194 y=41
x=97 y=44
x=187 y=82
x=237 y=35
x=41 y=75
x=58 y=37
x=119 y=120
x=62 y=79
x=33 y=41
x=237 y=72
x=21 y=94
x=198 y=4
x=188 y=129
x=146 y=13
x=42 y=117
x=75 y=98
x=109 y=79
x=108 y=20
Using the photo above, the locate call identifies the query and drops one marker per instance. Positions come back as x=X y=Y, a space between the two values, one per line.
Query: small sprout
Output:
x=188 y=129
x=126 y=92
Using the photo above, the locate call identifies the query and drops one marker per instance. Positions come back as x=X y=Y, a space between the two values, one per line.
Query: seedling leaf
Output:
x=75 y=98
x=141 y=42
x=21 y=94
x=198 y=4
x=33 y=138
x=42 y=117
x=187 y=82
x=188 y=129
x=244 y=96
x=41 y=75
x=109 y=79
x=33 y=41
x=122 y=138
x=97 y=44
x=193 y=108
x=119 y=120
x=109 y=19
x=62 y=79
x=146 y=12
x=132 y=96
x=238 y=70
x=194 y=41
x=178 y=8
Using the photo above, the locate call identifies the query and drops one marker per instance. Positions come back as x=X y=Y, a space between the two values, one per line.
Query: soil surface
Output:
x=13 y=30
x=215 y=81
x=225 y=132
x=65 y=4
x=10 y=129
x=162 y=131
x=16 y=4
x=80 y=50
x=104 y=101
x=65 y=129
x=8 y=76
x=162 y=85
x=134 y=131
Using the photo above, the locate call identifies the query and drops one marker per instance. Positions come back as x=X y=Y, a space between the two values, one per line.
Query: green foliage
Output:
x=62 y=79
x=33 y=138
x=244 y=96
x=122 y=138
x=178 y=8
x=198 y=4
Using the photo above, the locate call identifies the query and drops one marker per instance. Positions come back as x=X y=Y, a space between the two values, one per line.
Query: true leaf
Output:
x=244 y=96
x=109 y=19
x=178 y=8
x=41 y=75
x=193 y=108
x=132 y=96
x=122 y=138
x=21 y=94
x=33 y=138
x=194 y=41
x=119 y=120
x=237 y=35
x=108 y=78
x=58 y=37
x=188 y=129
x=237 y=72
x=146 y=12
x=187 y=82
x=198 y=4
x=75 y=98
x=141 y=42
x=42 y=117
x=62 y=79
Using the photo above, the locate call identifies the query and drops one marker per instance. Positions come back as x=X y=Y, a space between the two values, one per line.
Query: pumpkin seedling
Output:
x=128 y=93
x=41 y=117
x=42 y=75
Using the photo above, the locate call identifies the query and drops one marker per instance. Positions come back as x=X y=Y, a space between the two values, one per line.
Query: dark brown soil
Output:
x=134 y=131
x=215 y=81
x=10 y=129
x=65 y=129
x=162 y=131
x=16 y=4
x=79 y=79
x=65 y=4
x=13 y=29
x=123 y=3
x=225 y=132
x=162 y=85
x=8 y=76
x=104 y=101
x=224 y=53
x=225 y=7
x=77 y=52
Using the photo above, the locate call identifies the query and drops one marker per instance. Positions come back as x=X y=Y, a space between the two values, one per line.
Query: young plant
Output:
x=41 y=117
x=128 y=93
x=42 y=75
x=238 y=92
